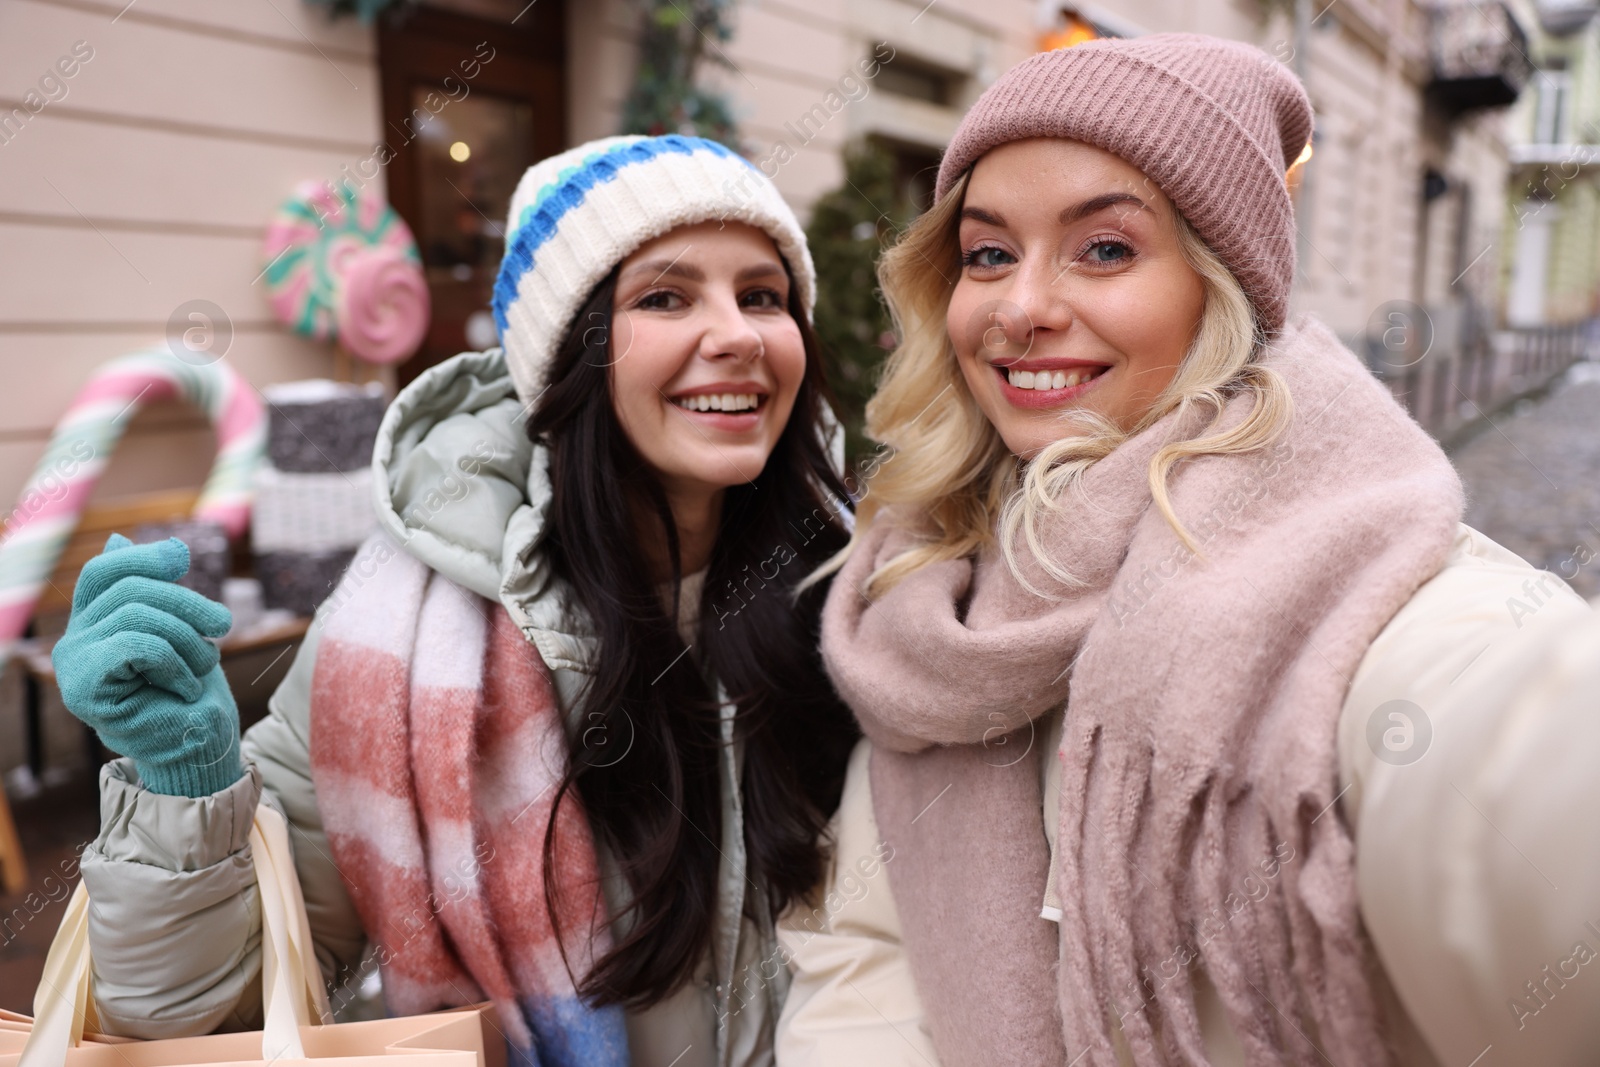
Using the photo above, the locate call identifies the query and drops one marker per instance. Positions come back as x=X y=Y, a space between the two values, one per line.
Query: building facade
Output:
x=146 y=177
x=1553 y=218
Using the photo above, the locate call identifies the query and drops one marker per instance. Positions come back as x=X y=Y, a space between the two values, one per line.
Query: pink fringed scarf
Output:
x=436 y=749
x=1198 y=756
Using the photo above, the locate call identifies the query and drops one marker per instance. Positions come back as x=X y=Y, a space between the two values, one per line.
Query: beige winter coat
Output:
x=1478 y=874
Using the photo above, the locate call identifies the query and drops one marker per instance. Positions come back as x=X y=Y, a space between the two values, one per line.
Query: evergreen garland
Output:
x=674 y=35
x=849 y=227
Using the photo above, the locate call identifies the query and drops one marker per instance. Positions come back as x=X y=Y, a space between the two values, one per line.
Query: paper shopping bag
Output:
x=461 y=1038
x=61 y=1032
x=15 y=1029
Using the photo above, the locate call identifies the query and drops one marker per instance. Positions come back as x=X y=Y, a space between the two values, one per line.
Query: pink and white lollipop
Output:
x=383 y=306
x=319 y=235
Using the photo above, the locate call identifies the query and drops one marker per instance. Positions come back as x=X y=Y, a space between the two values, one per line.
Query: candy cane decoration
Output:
x=38 y=528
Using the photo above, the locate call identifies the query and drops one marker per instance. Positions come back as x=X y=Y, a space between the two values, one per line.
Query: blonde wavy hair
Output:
x=946 y=463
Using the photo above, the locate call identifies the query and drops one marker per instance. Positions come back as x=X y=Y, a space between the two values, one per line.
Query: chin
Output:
x=734 y=466
x=1023 y=446
x=1027 y=438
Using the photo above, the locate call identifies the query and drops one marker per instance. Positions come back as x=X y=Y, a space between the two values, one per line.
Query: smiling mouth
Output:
x=1049 y=380
x=729 y=403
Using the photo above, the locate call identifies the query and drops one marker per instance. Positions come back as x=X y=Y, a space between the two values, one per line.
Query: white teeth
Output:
x=719 y=402
x=1023 y=379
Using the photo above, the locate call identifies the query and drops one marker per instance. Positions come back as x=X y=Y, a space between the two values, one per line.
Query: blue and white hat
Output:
x=576 y=215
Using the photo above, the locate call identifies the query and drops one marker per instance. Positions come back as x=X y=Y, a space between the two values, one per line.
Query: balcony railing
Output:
x=1453 y=379
x=1480 y=55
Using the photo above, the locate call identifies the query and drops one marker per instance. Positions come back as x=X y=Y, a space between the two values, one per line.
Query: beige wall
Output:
x=600 y=58
x=151 y=183
x=786 y=56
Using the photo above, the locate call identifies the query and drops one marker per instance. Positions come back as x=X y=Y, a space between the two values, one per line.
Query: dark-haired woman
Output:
x=560 y=738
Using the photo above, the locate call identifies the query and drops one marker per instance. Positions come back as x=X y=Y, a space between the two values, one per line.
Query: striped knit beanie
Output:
x=1215 y=124
x=576 y=215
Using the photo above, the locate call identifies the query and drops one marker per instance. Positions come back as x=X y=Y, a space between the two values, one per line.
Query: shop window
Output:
x=920 y=81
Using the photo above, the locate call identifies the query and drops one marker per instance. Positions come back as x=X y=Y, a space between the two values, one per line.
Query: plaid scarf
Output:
x=436 y=748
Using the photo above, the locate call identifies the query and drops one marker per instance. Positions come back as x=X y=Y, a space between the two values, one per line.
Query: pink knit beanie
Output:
x=1214 y=123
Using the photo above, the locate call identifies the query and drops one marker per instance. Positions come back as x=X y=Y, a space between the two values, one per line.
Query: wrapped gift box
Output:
x=299 y=581
x=318 y=426
x=296 y=512
x=210 y=558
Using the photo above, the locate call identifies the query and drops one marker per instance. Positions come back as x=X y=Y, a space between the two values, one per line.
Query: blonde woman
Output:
x=1199 y=731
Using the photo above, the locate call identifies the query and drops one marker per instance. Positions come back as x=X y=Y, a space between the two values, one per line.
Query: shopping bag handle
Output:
x=291 y=981
x=62 y=1004
x=292 y=991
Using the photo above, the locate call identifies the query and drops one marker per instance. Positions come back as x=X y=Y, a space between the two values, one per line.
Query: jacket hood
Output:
x=460 y=486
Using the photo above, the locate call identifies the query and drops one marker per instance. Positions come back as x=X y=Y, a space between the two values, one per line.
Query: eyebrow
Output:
x=977 y=214
x=688 y=271
x=1100 y=203
x=1072 y=214
x=660 y=267
x=759 y=270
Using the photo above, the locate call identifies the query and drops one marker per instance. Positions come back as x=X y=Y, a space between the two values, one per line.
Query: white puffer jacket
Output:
x=1473 y=804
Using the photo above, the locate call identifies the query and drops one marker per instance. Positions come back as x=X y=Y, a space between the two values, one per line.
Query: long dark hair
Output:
x=652 y=791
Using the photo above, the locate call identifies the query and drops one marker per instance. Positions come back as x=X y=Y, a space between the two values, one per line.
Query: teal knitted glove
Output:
x=134 y=664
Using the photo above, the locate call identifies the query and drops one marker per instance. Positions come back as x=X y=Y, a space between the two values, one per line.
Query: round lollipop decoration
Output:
x=383 y=308
x=342 y=266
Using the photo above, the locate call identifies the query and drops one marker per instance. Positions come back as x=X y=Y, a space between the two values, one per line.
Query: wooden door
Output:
x=469 y=104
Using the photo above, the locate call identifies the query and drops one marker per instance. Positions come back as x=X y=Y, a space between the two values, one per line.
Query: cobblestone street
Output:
x=1533 y=478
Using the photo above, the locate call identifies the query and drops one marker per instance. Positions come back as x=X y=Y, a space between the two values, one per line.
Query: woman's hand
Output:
x=135 y=666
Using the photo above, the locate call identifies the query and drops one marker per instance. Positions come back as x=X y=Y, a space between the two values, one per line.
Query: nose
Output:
x=1005 y=330
x=728 y=333
x=1002 y=331
x=1041 y=294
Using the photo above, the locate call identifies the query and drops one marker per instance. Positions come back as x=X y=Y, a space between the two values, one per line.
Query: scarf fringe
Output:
x=1193 y=907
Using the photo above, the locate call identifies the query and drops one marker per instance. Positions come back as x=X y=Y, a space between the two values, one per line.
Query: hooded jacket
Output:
x=175 y=930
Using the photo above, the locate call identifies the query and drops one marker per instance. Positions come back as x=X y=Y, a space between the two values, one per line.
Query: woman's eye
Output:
x=762 y=298
x=986 y=257
x=661 y=300
x=1108 y=252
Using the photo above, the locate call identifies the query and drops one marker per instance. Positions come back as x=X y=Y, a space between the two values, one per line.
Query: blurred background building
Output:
x=1449 y=203
x=1553 y=198
x=1452 y=169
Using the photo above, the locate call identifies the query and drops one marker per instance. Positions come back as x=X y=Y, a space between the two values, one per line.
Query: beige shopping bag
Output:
x=15 y=1029
x=61 y=1032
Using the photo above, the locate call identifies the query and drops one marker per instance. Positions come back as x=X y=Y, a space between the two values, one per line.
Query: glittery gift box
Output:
x=319 y=426
x=210 y=557
x=299 y=581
